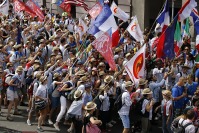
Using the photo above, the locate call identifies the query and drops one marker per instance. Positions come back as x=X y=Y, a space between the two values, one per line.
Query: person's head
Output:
x=190 y=114
x=43 y=80
x=57 y=77
x=87 y=87
x=19 y=70
x=142 y=83
x=181 y=81
x=90 y=107
x=175 y=62
x=129 y=86
x=186 y=50
x=185 y=68
x=190 y=78
x=166 y=94
x=78 y=95
x=147 y=93
x=38 y=75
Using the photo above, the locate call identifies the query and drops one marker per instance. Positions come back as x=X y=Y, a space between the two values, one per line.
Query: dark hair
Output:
x=190 y=114
x=63 y=40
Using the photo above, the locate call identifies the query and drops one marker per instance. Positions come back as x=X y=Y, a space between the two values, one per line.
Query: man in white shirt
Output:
x=126 y=103
x=188 y=123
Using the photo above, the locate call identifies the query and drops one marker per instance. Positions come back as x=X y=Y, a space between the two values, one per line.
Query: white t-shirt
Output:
x=188 y=129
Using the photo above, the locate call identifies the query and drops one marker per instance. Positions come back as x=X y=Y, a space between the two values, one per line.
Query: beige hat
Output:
x=101 y=64
x=37 y=62
x=142 y=81
x=19 y=69
x=55 y=49
x=36 y=66
x=90 y=106
x=101 y=73
x=78 y=93
x=52 y=38
x=56 y=75
x=118 y=49
x=167 y=93
x=127 y=55
x=17 y=46
x=83 y=79
x=38 y=75
x=9 y=64
x=58 y=57
x=108 y=79
x=128 y=84
x=146 y=91
x=186 y=66
x=42 y=79
x=80 y=73
x=48 y=66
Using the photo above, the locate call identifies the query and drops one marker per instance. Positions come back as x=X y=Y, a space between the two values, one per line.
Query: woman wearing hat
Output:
x=54 y=95
x=65 y=103
x=41 y=101
x=147 y=105
x=89 y=118
x=74 y=113
x=12 y=95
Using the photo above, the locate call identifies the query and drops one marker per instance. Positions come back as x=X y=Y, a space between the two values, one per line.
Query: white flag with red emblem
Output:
x=82 y=27
x=119 y=12
x=134 y=30
x=136 y=66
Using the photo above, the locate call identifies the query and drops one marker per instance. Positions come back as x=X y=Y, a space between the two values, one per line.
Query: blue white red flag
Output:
x=103 y=45
x=165 y=47
x=105 y=21
x=195 y=16
x=163 y=19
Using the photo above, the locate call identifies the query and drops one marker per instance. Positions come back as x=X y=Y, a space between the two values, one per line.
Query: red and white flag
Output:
x=4 y=6
x=136 y=66
x=35 y=9
x=135 y=31
x=186 y=9
x=103 y=44
x=80 y=3
x=82 y=27
x=119 y=12
x=95 y=10
x=20 y=6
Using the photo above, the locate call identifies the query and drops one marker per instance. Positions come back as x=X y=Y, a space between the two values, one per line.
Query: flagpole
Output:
x=173 y=3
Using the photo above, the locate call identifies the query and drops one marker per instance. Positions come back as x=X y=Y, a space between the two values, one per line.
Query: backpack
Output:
x=118 y=103
x=138 y=107
x=7 y=79
x=178 y=128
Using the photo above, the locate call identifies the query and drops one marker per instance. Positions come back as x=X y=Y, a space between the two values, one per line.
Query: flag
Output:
x=119 y=12
x=20 y=6
x=62 y=5
x=178 y=39
x=94 y=30
x=80 y=3
x=165 y=47
x=186 y=9
x=105 y=21
x=82 y=27
x=101 y=2
x=195 y=16
x=163 y=19
x=135 y=31
x=103 y=45
x=4 y=6
x=95 y=10
x=136 y=66
x=153 y=43
x=186 y=28
x=35 y=8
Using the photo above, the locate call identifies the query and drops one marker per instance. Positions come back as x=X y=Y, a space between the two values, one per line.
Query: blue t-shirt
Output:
x=192 y=88
x=176 y=92
x=72 y=44
x=197 y=73
x=16 y=79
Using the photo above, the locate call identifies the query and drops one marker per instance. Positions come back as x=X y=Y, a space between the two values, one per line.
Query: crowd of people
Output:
x=50 y=64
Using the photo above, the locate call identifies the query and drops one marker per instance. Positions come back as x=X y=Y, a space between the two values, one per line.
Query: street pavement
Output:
x=19 y=124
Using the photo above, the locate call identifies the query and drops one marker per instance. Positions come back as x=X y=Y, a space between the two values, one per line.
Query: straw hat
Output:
x=83 y=79
x=56 y=75
x=48 y=66
x=19 y=69
x=17 y=46
x=108 y=79
x=37 y=62
x=142 y=81
x=186 y=67
x=93 y=60
x=128 y=84
x=55 y=49
x=38 y=75
x=80 y=73
x=51 y=39
x=101 y=64
x=42 y=79
x=36 y=66
x=167 y=93
x=101 y=73
x=78 y=94
x=146 y=91
x=118 y=49
x=9 y=64
x=128 y=55
x=58 y=57
x=90 y=106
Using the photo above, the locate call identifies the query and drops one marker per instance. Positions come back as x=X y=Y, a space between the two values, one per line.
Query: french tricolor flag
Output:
x=105 y=21
x=163 y=19
x=195 y=16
